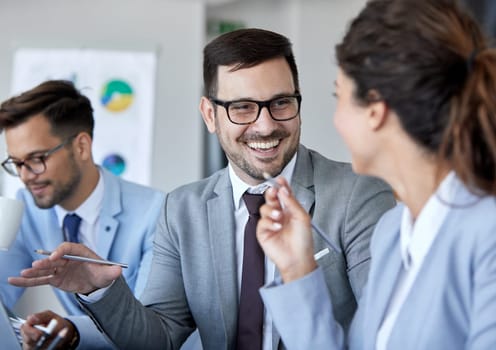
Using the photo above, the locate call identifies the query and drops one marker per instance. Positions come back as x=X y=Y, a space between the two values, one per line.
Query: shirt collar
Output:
x=90 y=209
x=416 y=237
x=239 y=186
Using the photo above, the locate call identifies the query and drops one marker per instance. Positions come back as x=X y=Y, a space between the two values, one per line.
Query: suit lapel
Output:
x=111 y=207
x=302 y=181
x=221 y=228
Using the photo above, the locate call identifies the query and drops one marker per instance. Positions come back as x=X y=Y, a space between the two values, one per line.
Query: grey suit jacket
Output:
x=193 y=280
x=451 y=305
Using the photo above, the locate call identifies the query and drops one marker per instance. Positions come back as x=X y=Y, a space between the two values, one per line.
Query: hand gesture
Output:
x=71 y=276
x=285 y=233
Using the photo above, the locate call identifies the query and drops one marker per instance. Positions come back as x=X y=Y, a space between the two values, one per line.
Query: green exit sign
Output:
x=216 y=27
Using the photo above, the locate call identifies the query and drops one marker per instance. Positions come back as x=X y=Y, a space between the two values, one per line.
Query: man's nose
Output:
x=25 y=173
x=265 y=120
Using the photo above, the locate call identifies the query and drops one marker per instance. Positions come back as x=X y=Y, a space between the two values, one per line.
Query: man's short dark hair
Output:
x=244 y=48
x=68 y=111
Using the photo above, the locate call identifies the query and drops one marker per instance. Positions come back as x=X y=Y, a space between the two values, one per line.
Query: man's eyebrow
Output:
x=32 y=154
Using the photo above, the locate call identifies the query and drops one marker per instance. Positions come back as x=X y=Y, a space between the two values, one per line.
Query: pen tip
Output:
x=266 y=175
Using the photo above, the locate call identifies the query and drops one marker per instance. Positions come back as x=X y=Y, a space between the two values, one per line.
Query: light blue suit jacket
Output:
x=452 y=303
x=127 y=223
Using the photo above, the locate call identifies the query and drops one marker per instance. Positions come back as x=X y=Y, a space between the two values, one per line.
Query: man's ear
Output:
x=378 y=110
x=82 y=145
x=207 y=110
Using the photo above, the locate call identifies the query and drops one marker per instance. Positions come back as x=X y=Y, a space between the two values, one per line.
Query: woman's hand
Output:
x=285 y=233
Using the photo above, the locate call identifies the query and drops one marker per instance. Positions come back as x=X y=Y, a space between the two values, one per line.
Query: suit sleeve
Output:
x=165 y=321
x=482 y=333
x=12 y=262
x=308 y=324
x=146 y=259
x=369 y=199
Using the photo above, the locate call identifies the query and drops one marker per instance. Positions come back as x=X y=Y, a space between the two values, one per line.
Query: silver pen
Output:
x=82 y=258
x=317 y=229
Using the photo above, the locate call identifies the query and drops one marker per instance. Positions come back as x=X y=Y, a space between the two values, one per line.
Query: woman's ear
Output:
x=378 y=110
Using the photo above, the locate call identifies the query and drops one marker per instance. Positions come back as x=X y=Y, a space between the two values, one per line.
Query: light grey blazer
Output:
x=193 y=279
x=452 y=303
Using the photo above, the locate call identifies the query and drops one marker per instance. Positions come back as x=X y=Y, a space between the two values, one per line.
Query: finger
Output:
x=38 y=271
x=72 y=249
x=269 y=212
x=41 y=318
x=290 y=203
x=271 y=198
x=29 y=340
x=267 y=226
x=30 y=335
x=282 y=182
x=30 y=282
x=47 y=264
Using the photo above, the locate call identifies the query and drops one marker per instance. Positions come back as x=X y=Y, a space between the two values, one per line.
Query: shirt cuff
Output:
x=94 y=296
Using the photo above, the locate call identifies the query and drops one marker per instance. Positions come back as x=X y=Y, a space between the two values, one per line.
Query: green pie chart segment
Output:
x=117 y=95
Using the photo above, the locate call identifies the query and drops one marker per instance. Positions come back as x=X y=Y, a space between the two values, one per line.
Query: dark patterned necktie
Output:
x=71 y=227
x=250 y=316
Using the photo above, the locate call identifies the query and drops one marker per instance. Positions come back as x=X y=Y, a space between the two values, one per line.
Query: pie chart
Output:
x=117 y=95
x=114 y=163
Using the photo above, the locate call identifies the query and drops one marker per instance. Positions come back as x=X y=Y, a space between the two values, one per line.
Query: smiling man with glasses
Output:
x=207 y=265
x=49 y=135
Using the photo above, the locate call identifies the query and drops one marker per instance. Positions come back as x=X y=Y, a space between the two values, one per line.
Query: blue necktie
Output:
x=71 y=227
x=250 y=314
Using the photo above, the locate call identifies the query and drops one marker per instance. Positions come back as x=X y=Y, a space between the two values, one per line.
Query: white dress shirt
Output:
x=416 y=238
x=241 y=217
x=89 y=212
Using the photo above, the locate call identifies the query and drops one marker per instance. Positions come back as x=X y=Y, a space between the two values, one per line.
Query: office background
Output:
x=177 y=30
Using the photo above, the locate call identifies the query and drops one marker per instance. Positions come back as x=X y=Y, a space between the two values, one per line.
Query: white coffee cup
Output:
x=10 y=220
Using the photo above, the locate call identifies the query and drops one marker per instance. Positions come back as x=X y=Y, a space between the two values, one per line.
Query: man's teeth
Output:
x=263 y=145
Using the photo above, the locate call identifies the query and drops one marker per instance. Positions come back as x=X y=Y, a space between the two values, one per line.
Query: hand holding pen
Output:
x=46 y=333
x=316 y=228
x=284 y=232
x=58 y=333
x=68 y=274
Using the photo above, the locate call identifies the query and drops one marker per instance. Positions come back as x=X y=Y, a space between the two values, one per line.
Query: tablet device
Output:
x=7 y=334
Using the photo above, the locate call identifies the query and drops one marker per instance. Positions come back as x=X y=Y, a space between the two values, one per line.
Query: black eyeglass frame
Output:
x=41 y=159
x=261 y=104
